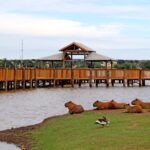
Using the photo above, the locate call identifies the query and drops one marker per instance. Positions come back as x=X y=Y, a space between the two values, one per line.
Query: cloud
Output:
x=29 y=25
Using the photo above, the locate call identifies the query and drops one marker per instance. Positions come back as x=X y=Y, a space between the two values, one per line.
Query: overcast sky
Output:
x=116 y=28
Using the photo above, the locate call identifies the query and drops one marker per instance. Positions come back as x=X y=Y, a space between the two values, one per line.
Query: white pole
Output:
x=22 y=52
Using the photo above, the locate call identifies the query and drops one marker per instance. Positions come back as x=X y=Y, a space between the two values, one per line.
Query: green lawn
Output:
x=79 y=132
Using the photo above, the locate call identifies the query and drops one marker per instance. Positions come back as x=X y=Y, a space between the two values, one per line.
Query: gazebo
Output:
x=69 y=51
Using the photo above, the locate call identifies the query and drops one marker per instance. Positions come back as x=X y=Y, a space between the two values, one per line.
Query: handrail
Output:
x=76 y=74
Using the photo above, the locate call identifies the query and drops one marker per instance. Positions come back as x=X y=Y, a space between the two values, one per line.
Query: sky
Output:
x=115 y=28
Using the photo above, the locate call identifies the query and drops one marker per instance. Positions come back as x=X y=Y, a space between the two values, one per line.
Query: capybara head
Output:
x=95 y=103
x=68 y=103
x=136 y=102
x=127 y=105
x=113 y=101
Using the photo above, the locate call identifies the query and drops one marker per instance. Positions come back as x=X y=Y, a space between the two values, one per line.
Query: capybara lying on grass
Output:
x=102 y=105
x=74 y=108
x=116 y=105
x=141 y=103
x=134 y=109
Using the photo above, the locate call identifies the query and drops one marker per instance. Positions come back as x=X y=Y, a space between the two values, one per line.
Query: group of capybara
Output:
x=137 y=106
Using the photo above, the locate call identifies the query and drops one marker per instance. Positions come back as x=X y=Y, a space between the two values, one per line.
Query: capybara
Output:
x=102 y=105
x=141 y=103
x=116 y=105
x=74 y=108
x=134 y=109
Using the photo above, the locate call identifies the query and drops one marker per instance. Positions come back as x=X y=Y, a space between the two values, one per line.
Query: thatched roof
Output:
x=96 y=57
x=76 y=46
x=58 y=56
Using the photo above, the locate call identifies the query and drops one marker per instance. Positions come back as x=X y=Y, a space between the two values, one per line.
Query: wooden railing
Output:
x=63 y=74
x=19 y=74
x=99 y=74
x=2 y=74
x=80 y=74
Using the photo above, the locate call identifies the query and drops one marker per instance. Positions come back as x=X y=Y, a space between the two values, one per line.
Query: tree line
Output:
x=119 y=64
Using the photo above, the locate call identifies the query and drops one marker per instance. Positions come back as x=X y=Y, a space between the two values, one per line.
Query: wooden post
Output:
x=54 y=77
x=90 y=83
x=97 y=81
x=106 y=65
x=63 y=61
x=143 y=82
x=111 y=64
x=23 y=78
x=6 y=82
x=72 y=77
x=15 y=76
x=107 y=77
x=140 y=77
x=35 y=76
x=52 y=64
x=80 y=81
x=112 y=82
x=31 y=78
x=124 y=78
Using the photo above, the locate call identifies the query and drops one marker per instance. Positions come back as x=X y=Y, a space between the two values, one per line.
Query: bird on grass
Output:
x=103 y=121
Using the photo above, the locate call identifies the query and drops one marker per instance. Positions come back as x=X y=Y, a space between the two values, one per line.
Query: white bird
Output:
x=103 y=121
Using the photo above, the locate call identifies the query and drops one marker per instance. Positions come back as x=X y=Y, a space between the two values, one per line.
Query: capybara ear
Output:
x=94 y=104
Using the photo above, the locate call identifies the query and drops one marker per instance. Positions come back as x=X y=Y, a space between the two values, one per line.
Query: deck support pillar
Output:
x=15 y=77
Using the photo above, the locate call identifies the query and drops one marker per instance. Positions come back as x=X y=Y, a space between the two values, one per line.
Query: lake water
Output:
x=29 y=107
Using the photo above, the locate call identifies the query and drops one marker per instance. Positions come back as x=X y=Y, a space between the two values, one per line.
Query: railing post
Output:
x=72 y=77
x=23 y=78
x=6 y=82
x=35 y=76
x=140 y=77
x=90 y=83
x=124 y=77
x=31 y=78
x=15 y=77
x=107 y=77
x=54 y=76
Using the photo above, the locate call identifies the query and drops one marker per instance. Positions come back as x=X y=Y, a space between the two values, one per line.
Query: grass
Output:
x=79 y=132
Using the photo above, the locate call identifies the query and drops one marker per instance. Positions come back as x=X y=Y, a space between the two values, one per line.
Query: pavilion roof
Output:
x=76 y=46
x=58 y=56
x=96 y=57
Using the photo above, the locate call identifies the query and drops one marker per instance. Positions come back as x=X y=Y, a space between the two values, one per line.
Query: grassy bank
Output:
x=79 y=132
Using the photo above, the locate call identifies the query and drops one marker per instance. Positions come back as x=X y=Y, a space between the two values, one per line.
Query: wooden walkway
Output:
x=32 y=78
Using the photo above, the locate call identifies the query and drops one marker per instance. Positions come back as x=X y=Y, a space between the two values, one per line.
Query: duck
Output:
x=103 y=121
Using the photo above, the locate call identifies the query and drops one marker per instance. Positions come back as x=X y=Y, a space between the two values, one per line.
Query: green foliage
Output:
x=125 y=65
x=79 y=132
x=145 y=64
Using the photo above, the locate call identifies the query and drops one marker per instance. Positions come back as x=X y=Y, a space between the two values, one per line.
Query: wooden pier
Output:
x=32 y=78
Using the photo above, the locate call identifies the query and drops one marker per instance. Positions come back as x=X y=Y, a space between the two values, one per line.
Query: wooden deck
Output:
x=29 y=77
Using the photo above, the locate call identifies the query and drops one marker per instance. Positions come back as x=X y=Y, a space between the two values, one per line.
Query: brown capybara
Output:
x=116 y=105
x=134 y=109
x=74 y=108
x=102 y=105
x=145 y=105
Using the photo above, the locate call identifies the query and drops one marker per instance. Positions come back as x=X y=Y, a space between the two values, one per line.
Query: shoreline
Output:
x=21 y=136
